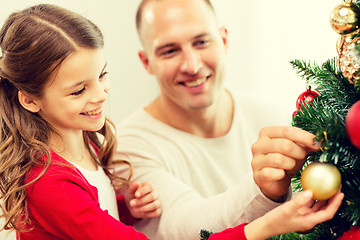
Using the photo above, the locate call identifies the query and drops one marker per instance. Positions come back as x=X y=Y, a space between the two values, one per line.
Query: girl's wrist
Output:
x=259 y=229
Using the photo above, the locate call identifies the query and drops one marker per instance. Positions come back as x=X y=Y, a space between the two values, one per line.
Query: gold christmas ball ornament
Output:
x=344 y=19
x=322 y=179
x=349 y=58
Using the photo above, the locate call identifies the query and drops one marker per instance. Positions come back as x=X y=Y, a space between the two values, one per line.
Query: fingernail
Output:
x=308 y=194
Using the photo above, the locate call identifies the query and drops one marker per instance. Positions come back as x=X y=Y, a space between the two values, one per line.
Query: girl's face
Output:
x=75 y=95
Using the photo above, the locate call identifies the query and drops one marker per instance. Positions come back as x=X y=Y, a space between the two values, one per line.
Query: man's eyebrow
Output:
x=168 y=45
x=201 y=35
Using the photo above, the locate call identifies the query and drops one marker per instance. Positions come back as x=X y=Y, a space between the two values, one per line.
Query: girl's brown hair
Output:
x=34 y=42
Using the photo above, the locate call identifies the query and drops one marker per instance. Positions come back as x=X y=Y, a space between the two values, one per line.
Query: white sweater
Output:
x=202 y=182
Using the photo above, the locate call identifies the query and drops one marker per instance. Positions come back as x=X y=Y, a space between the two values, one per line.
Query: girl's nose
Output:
x=101 y=91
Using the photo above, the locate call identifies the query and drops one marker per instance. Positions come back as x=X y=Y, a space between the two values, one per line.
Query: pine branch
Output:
x=304 y=69
x=325 y=117
x=205 y=234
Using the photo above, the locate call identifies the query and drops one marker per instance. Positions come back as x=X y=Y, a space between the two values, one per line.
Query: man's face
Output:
x=185 y=51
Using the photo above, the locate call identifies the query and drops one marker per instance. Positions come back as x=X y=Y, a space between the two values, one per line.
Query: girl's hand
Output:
x=142 y=200
x=298 y=214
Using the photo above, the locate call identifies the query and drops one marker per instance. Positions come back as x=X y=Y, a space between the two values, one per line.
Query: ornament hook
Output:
x=323 y=146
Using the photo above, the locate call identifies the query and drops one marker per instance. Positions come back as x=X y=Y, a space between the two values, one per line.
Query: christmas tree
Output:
x=330 y=109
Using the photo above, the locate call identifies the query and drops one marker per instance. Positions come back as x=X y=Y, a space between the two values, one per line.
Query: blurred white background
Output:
x=263 y=36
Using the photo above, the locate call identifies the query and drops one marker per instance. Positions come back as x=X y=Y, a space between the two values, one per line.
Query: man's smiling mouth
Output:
x=195 y=83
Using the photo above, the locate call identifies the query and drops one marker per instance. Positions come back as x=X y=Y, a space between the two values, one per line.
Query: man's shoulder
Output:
x=136 y=116
x=255 y=108
x=141 y=124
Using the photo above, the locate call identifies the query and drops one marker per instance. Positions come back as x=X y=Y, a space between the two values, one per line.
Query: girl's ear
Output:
x=28 y=102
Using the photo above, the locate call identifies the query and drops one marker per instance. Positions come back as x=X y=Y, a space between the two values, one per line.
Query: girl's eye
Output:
x=103 y=74
x=78 y=92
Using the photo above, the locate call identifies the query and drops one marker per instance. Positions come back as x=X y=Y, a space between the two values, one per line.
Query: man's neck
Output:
x=211 y=122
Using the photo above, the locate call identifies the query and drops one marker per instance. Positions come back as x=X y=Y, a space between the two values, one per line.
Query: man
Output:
x=194 y=141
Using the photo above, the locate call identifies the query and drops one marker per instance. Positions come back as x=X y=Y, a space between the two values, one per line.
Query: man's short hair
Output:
x=145 y=2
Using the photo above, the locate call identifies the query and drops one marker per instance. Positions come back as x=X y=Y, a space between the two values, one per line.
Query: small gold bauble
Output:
x=349 y=60
x=322 y=179
x=344 y=19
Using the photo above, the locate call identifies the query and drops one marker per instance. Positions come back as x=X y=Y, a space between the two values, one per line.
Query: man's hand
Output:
x=278 y=154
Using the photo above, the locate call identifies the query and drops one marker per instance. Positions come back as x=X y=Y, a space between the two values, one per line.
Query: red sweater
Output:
x=63 y=205
x=230 y=234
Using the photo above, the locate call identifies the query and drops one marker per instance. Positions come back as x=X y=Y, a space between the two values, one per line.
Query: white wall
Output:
x=264 y=37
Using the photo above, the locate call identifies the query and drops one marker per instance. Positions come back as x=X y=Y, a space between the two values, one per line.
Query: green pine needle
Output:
x=205 y=234
x=325 y=117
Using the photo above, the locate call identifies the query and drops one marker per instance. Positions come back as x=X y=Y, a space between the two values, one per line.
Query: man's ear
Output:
x=145 y=61
x=28 y=102
x=224 y=36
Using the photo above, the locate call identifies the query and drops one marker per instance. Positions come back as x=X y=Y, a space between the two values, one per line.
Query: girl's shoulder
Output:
x=57 y=168
x=58 y=176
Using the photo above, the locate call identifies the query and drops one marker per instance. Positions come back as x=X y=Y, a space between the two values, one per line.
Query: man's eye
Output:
x=78 y=92
x=168 y=53
x=202 y=43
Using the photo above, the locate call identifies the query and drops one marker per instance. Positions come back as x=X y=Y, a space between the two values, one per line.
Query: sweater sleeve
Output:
x=124 y=213
x=65 y=205
x=175 y=164
x=230 y=234
x=185 y=211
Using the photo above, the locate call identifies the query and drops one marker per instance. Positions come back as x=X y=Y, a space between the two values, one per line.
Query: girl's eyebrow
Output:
x=82 y=82
x=104 y=67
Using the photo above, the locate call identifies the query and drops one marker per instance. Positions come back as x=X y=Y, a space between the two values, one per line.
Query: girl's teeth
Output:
x=93 y=112
x=195 y=83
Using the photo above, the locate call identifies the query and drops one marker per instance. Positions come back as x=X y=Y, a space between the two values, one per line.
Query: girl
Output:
x=56 y=144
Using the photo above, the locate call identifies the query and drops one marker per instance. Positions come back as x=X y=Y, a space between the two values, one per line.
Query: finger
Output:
x=269 y=174
x=303 y=199
x=144 y=189
x=328 y=211
x=305 y=203
x=130 y=191
x=283 y=146
x=319 y=205
x=150 y=207
x=133 y=187
x=297 y=135
x=276 y=160
x=301 y=204
x=149 y=198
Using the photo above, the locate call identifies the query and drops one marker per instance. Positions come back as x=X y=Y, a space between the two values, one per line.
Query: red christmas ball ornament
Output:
x=353 y=233
x=307 y=96
x=352 y=124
